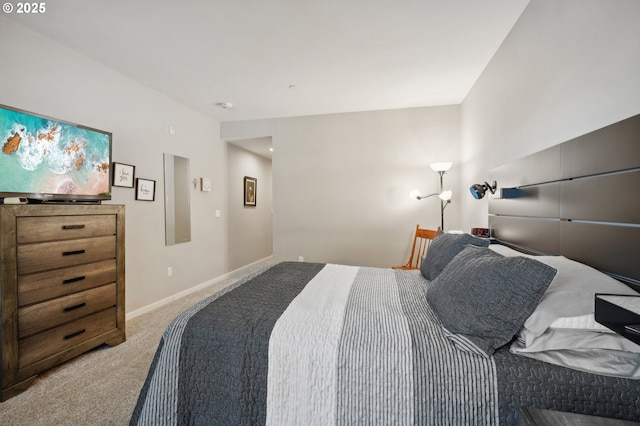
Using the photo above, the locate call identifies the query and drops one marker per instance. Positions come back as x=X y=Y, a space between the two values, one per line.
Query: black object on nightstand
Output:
x=620 y=313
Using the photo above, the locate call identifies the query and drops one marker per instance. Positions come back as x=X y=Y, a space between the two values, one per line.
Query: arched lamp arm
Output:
x=426 y=196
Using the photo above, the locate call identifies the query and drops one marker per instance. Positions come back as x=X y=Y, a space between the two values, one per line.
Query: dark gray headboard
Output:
x=579 y=199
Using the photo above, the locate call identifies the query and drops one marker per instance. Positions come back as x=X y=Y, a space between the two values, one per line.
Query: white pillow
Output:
x=583 y=344
x=506 y=251
x=570 y=294
x=580 y=322
x=569 y=297
x=597 y=361
x=569 y=338
x=562 y=329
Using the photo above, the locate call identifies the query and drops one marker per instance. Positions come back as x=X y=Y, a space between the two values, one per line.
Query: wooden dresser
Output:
x=62 y=286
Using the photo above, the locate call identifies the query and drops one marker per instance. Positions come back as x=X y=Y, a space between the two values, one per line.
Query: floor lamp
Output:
x=445 y=196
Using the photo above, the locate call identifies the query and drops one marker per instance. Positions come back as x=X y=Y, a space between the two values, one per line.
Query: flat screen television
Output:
x=45 y=159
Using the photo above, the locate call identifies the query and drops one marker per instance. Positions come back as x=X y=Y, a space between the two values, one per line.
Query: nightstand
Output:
x=620 y=313
x=531 y=416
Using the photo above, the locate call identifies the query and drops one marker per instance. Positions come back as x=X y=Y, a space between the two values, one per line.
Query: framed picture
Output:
x=205 y=184
x=145 y=189
x=250 y=191
x=123 y=175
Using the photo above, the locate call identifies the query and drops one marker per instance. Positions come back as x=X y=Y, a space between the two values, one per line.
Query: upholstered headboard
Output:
x=579 y=199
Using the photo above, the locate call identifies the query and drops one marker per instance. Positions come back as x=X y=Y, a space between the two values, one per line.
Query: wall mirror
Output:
x=177 y=211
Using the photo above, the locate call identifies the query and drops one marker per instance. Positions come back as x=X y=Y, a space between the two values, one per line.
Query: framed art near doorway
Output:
x=250 y=191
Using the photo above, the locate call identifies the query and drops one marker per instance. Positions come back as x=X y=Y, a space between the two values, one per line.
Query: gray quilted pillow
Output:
x=484 y=298
x=445 y=247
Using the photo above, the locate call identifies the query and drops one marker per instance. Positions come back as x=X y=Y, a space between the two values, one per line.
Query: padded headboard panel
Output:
x=579 y=199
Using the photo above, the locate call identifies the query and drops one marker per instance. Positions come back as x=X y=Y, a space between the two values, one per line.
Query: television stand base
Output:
x=71 y=202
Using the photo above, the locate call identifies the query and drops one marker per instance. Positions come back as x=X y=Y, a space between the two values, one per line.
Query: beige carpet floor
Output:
x=101 y=387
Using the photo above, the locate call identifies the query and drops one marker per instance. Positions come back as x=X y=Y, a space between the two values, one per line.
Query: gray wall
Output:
x=341 y=181
x=568 y=67
x=250 y=229
x=50 y=79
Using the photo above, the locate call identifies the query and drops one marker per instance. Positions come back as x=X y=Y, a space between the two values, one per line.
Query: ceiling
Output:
x=284 y=58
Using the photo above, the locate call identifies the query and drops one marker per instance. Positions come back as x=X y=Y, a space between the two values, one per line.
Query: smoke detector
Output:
x=225 y=105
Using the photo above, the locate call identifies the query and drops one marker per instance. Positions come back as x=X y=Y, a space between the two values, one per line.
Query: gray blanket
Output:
x=212 y=364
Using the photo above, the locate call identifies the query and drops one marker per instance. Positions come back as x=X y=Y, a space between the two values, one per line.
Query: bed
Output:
x=481 y=330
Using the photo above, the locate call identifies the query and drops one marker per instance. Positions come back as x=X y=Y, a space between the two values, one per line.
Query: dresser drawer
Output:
x=42 y=286
x=53 y=228
x=40 y=346
x=42 y=316
x=42 y=256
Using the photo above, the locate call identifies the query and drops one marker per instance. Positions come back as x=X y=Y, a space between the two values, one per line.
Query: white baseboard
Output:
x=167 y=300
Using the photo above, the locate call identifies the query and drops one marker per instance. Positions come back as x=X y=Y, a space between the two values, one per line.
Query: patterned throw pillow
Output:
x=445 y=247
x=483 y=298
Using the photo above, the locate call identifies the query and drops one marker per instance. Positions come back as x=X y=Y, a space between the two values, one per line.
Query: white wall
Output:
x=250 y=229
x=341 y=181
x=567 y=67
x=47 y=78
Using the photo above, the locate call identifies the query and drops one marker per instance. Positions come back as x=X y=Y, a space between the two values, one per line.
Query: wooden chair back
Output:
x=421 y=241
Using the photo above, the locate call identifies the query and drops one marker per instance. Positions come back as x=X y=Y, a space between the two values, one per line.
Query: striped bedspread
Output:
x=362 y=346
x=304 y=344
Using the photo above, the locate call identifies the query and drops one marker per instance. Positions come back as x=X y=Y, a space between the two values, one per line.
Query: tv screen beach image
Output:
x=43 y=156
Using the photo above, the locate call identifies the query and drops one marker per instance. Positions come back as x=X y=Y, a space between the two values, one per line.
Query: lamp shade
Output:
x=441 y=166
x=414 y=194
x=445 y=195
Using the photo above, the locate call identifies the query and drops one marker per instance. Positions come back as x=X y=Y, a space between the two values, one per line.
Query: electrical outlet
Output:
x=300 y=258
x=169 y=271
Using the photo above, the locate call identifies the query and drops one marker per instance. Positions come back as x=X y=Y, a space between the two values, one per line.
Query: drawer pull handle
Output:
x=72 y=226
x=77 y=333
x=73 y=280
x=74 y=307
x=72 y=252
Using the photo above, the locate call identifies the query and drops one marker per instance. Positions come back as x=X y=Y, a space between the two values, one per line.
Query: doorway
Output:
x=249 y=226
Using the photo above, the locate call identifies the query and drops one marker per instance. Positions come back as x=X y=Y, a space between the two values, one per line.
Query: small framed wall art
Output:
x=145 y=189
x=123 y=175
x=205 y=184
x=250 y=191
